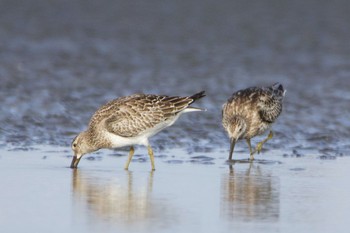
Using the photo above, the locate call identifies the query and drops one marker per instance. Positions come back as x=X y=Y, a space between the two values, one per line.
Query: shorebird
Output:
x=129 y=121
x=250 y=112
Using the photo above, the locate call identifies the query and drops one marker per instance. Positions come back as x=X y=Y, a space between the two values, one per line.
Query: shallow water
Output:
x=60 y=60
x=40 y=194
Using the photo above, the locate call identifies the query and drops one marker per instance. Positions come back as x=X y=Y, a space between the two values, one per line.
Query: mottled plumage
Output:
x=250 y=112
x=131 y=120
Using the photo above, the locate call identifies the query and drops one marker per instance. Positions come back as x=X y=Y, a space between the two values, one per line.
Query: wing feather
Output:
x=262 y=100
x=135 y=115
x=269 y=106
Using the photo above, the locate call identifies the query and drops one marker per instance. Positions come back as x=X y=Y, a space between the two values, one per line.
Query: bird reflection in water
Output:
x=250 y=195
x=116 y=200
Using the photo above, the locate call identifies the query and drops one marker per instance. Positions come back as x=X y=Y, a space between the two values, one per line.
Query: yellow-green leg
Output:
x=131 y=153
x=260 y=144
x=250 y=150
x=151 y=156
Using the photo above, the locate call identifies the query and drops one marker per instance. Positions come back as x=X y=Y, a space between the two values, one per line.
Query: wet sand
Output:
x=273 y=194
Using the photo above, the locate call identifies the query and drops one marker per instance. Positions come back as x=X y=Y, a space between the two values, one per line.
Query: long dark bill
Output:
x=232 y=147
x=75 y=162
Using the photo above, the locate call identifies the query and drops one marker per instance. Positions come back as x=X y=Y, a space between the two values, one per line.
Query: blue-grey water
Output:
x=60 y=60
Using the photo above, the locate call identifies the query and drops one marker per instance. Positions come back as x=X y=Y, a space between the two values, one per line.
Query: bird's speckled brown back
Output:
x=129 y=116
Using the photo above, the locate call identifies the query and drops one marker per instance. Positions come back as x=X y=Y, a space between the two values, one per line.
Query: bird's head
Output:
x=80 y=147
x=236 y=129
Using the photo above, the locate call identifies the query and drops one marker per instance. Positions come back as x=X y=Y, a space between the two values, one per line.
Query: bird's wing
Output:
x=269 y=106
x=135 y=115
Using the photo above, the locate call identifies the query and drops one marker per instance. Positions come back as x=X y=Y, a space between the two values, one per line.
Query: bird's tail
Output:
x=197 y=96
x=278 y=90
x=194 y=98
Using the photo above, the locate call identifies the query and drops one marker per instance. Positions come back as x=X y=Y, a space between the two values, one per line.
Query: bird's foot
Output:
x=260 y=144
x=270 y=135
x=259 y=147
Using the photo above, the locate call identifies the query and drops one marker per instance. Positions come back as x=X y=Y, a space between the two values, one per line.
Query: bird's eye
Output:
x=74 y=145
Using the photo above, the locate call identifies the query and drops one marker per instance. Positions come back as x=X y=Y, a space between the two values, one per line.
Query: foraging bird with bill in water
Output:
x=129 y=121
x=250 y=112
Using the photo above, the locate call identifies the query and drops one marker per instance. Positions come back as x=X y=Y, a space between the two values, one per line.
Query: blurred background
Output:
x=60 y=60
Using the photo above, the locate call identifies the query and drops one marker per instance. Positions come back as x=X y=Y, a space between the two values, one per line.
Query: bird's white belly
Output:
x=119 y=141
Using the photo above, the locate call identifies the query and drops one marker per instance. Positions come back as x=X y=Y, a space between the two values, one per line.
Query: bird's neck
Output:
x=97 y=139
